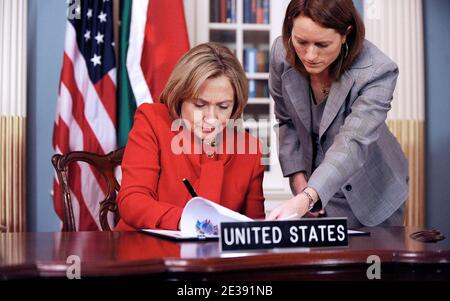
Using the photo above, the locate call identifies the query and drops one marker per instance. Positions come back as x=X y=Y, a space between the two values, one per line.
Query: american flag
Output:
x=86 y=106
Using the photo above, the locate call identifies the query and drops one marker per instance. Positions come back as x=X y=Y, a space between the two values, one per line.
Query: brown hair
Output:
x=203 y=62
x=335 y=14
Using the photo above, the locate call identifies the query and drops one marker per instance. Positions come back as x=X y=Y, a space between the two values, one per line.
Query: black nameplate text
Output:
x=302 y=233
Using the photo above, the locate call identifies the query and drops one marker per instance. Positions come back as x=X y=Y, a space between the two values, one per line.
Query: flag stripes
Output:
x=86 y=108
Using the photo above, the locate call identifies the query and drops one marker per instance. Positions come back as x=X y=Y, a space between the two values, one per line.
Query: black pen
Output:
x=189 y=187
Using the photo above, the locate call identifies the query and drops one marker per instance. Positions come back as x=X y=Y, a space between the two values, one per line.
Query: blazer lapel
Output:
x=297 y=87
x=338 y=94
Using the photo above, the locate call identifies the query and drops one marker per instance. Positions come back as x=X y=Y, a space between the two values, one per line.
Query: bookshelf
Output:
x=248 y=28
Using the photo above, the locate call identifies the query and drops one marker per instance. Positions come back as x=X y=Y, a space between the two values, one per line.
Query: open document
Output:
x=201 y=218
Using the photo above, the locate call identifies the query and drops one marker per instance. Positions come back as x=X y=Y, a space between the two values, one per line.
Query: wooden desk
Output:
x=30 y=255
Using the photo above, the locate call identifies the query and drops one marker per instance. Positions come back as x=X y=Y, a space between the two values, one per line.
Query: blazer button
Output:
x=348 y=187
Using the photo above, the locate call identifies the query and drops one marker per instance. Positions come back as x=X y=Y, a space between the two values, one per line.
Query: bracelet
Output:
x=311 y=200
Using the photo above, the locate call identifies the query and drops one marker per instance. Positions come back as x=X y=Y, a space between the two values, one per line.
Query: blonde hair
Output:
x=203 y=62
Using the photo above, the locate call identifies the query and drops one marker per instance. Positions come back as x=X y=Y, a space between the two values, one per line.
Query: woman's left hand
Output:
x=298 y=205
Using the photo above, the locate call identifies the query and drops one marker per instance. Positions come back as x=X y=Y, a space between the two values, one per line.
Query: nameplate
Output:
x=301 y=233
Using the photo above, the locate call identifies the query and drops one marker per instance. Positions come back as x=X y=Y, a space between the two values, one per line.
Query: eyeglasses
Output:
x=432 y=235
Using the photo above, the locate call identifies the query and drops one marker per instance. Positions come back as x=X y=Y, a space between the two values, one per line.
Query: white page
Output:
x=201 y=212
x=169 y=233
x=207 y=214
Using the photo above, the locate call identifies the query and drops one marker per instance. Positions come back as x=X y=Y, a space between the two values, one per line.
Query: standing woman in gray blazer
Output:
x=332 y=91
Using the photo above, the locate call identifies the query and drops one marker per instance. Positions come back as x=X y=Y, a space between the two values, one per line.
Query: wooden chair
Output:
x=106 y=165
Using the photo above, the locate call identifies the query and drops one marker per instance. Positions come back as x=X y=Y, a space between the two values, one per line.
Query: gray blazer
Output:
x=362 y=158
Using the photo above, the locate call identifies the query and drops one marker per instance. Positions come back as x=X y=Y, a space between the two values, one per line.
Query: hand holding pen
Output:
x=189 y=188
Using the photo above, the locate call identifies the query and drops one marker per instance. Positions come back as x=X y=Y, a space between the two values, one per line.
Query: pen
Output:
x=189 y=187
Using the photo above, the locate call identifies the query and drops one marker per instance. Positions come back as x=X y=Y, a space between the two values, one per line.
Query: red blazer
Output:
x=152 y=194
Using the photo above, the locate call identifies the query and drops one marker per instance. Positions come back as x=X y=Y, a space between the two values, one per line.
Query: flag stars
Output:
x=99 y=38
x=96 y=60
x=87 y=35
x=89 y=13
x=102 y=17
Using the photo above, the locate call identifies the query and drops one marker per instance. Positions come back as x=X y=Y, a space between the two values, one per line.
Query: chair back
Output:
x=106 y=166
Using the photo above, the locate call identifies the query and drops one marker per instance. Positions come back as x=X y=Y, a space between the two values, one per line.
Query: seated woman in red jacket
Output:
x=192 y=134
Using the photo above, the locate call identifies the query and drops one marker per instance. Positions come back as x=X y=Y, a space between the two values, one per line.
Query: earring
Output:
x=346 y=49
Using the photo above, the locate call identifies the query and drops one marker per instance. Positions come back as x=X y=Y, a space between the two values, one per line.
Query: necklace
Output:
x=325 y=91
x=323 y=85
x=211 y=143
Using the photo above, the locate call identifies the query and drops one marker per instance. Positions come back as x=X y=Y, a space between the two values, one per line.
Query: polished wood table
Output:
x=118 y=254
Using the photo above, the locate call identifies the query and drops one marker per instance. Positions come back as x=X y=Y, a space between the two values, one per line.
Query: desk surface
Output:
x=29 y=255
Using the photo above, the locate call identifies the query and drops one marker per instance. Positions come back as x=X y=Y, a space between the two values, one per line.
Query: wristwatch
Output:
x=311 y=200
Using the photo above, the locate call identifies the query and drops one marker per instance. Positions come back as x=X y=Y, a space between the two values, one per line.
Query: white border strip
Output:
x=134 y=56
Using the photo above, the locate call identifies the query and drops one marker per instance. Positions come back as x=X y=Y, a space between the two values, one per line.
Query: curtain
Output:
x=13 y=50
x=396 y=27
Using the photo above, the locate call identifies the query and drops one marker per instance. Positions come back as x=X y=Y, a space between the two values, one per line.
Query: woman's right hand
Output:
x=296 y=206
